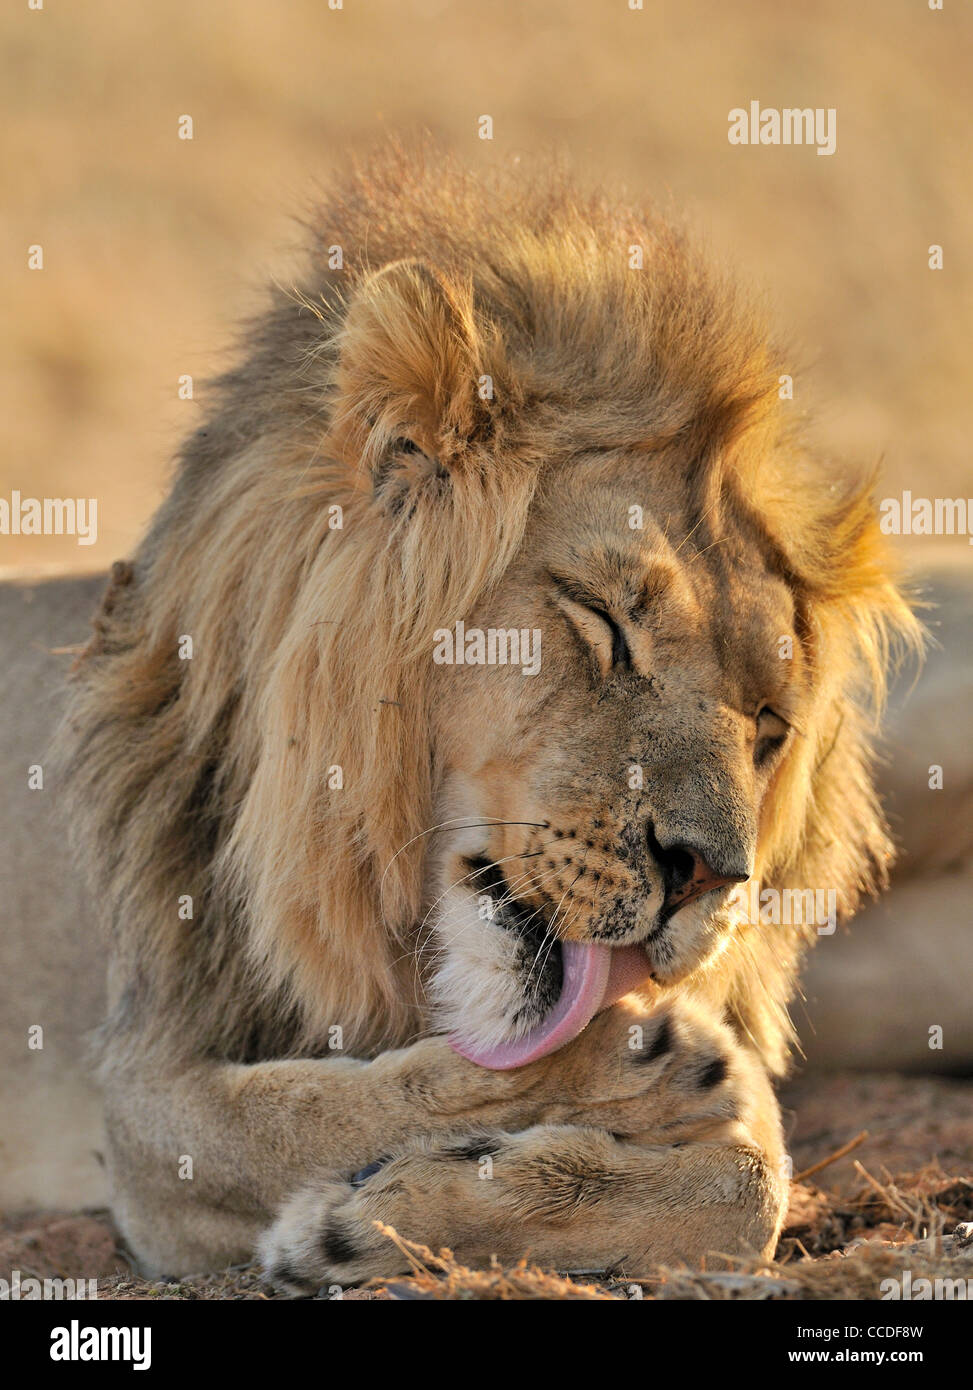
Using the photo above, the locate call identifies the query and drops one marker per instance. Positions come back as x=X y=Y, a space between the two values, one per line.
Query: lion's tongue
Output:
x=594 y=977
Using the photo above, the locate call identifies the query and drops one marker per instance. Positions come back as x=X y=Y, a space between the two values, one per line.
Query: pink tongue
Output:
x=594 y=977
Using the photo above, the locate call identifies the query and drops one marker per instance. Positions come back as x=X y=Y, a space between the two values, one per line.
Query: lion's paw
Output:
x=324 y=1239
x=328 y=1235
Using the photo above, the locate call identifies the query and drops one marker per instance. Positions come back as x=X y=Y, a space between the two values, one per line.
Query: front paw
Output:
x=324 y=1238
x=433 y=1191
x=672 y=1075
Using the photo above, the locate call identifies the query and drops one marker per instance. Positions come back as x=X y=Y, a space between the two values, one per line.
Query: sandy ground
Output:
x=898 y=1201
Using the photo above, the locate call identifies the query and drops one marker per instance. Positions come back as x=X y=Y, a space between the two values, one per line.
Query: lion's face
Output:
x=609 y=787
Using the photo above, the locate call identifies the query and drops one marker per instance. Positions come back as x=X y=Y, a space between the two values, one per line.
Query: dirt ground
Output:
x=900 y=1199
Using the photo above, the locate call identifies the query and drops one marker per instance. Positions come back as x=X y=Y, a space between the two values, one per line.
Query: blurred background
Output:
x=155 y=246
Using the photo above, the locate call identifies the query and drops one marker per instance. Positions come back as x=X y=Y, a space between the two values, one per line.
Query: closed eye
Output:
x=621 y=655
x=596 y=625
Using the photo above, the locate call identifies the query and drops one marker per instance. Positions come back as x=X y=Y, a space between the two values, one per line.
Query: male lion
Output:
x=373 y=911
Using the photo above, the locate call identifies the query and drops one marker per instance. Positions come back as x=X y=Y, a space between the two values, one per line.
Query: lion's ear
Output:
x=407 y=397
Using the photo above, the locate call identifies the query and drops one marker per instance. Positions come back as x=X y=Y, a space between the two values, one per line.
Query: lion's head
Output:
x=518 y=618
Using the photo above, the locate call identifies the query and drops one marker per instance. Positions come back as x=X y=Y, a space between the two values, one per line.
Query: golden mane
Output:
x=213 y=777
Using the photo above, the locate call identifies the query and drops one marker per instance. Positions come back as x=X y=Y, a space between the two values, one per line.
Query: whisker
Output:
x=577 y=876
x=462 y=822
x=551 y=924
x=529 y=879
x=532 y=854
x=699 y=523
x=428 y=949
x=423 y=952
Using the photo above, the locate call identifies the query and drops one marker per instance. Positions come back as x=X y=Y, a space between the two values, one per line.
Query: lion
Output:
x=498 y=635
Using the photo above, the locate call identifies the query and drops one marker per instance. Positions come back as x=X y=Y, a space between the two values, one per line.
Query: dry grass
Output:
x=155 y=245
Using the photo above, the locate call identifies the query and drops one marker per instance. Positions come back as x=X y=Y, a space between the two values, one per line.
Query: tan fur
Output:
x=317 y=908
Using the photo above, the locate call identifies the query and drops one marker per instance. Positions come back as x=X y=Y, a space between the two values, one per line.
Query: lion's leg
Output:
x=201 y=1161
x=686 y=1169
x=567 y=1197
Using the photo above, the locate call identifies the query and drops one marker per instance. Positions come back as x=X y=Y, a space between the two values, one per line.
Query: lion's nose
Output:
x=687 y=872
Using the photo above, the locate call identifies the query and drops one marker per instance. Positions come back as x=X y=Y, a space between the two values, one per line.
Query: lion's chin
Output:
x=593 y=978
